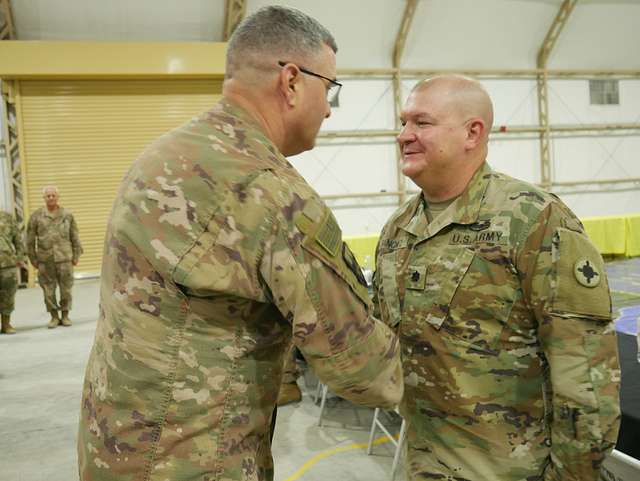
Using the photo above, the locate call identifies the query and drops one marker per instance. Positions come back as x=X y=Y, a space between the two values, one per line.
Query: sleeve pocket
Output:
x=581 y=286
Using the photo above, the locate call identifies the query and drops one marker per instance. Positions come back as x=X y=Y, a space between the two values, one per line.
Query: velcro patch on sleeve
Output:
x=329 y=235
x=323 y=239
x=581 y=285
x=319 y=225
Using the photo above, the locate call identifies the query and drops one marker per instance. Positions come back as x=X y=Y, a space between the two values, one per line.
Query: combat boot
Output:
x=7 y=328
x=65 y=321
x=289 y=393
x=55 y=320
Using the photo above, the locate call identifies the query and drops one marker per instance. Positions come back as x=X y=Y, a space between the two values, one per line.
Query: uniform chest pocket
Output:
x=482 y=304
x=64 y=227
x=467 y=298
x=429 y=290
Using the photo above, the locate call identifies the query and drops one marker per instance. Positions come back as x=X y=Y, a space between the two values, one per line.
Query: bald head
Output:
x=50 y=196
x=462 y=95
x=444 y=139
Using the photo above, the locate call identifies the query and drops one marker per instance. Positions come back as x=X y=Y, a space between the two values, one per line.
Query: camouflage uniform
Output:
x=291 y=371
x=53 y=245
x=504 y=317
x=217 y=253
x=11 y=252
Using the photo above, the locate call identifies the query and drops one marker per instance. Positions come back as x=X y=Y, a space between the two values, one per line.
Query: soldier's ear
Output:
x=290 y=83
x=476 y=130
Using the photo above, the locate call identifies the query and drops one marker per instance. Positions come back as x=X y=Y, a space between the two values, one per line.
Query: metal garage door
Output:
x=82 y=135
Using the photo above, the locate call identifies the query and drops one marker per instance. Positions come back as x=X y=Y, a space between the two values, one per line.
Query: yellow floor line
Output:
x=331 y=452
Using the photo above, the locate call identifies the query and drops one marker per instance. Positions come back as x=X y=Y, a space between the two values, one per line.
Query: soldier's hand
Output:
x=35 y=265
x=21 y=265
x=75 y=262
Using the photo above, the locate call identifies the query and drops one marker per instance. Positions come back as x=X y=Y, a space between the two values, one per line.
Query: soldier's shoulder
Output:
x=512 y=196
x=530 y=202
x=65 y=212
x=511 y=191
x=288 y=194
x=37 y=213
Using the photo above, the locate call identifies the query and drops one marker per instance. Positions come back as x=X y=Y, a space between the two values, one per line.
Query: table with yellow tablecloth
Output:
x=615 y=234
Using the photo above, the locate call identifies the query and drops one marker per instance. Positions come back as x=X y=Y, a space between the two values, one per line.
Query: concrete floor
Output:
x=41 y=374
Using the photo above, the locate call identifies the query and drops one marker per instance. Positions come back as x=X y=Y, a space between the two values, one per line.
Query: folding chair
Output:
x=396 y=442
x=324 y=389
x=620 y=467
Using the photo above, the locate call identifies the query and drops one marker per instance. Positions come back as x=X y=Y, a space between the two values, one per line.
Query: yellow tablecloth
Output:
x=615 y=234
x=364 y=248
x=619 y=234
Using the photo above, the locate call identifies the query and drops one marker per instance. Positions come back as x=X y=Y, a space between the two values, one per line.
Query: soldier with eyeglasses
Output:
x=218 y=255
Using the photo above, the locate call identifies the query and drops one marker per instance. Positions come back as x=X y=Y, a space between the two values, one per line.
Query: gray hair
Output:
x=275 y=31
x=47 y=188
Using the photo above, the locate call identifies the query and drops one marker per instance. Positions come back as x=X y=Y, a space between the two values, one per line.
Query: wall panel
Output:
x=82 y=135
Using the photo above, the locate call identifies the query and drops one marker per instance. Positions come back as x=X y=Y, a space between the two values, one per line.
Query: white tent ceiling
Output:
x=445 y=34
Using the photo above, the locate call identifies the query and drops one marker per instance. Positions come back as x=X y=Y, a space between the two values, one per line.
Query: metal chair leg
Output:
x=317 y=394
x=396 y=456
x=372 y=433
x=325 y=389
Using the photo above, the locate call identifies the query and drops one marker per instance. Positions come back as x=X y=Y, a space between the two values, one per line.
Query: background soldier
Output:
x=11 y=255
x=502 y=306
x=53 y=246
x=217 y=255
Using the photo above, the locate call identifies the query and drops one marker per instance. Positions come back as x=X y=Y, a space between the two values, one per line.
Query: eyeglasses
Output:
x=333 y=88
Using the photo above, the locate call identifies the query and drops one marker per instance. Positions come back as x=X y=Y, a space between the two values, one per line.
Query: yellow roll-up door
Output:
x=82 y=136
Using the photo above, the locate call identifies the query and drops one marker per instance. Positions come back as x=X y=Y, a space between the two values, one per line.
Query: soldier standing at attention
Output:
x=502 y=308
x=217 y=255
x=11 y=255
x=53 y=246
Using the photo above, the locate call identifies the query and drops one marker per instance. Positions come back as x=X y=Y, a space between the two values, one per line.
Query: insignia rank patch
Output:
x=586 y=273
x=416 y=277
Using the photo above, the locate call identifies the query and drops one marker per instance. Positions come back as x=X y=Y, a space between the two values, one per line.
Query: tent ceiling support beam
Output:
x=396 y=58
x=8 y=28
x=543 y=87
x=234 y=11
x=554 y=31
x=385 y=73
x=370 y=195
x=13 y=155
x=498 y=129
x=12 y=150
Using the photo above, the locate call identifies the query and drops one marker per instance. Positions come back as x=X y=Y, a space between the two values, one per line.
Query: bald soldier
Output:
x=502 y=306
x=53 y=246
x=217 y=255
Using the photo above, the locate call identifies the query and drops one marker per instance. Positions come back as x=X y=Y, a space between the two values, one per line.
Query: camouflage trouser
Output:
x=8 y=288
x=51 y=275
x=291 y=372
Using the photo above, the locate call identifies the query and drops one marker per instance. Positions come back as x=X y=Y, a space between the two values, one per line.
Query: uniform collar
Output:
x=464 y=210
x=234 y=113
x=230 y=107
x=54 y=214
